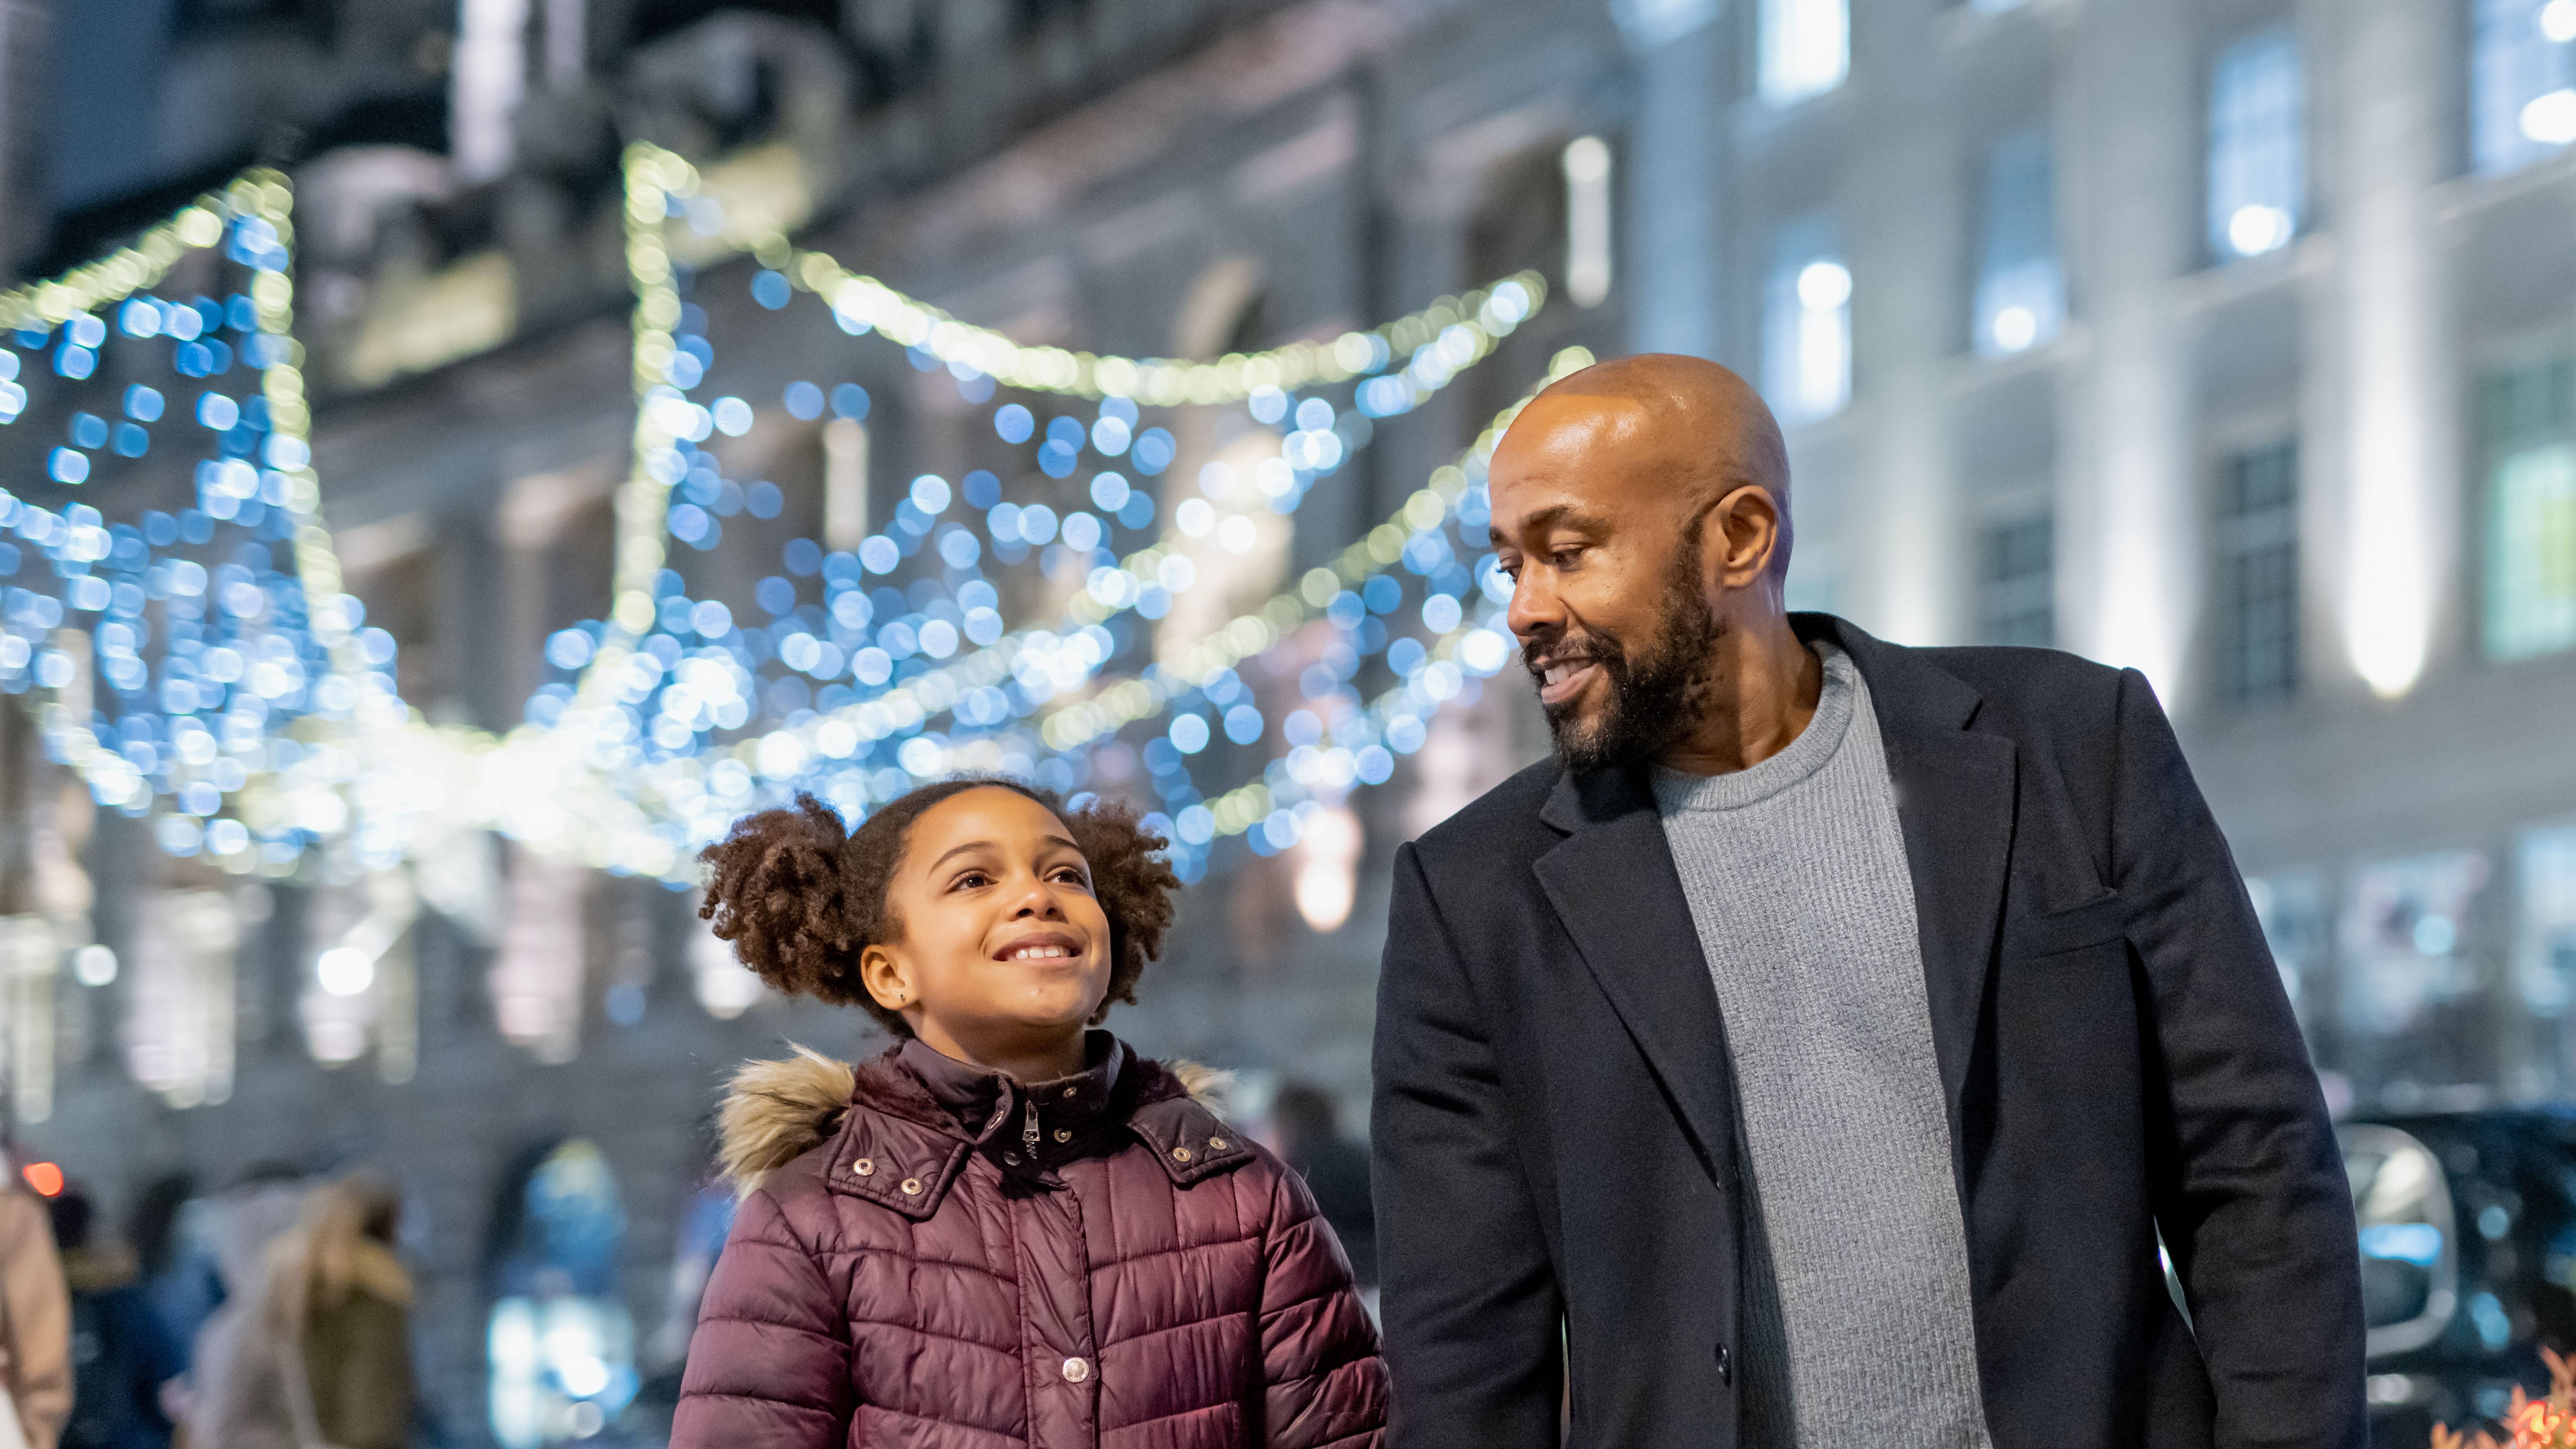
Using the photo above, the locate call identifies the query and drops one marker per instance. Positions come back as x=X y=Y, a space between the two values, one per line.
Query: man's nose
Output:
x=1534 y=609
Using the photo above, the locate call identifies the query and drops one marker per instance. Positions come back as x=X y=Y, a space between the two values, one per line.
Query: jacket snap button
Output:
x=1069 y=1091
x=1076 y=1370
x=1064 y=1134
x=1011 y=1158
x=864 y=1167
x=1725 y=1369
x=1180 y=1154
x=1217 y=1142
x=912 y=1187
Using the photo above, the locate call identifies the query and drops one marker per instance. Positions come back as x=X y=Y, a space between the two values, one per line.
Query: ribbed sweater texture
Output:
x=1856 y=1325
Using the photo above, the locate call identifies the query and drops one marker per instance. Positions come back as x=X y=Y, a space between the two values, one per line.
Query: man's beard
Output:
x=1655 y=697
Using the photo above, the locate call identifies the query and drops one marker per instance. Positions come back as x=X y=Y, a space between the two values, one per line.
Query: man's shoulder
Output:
x=1502 y=821
x=2055 y=705
x=2028 y=680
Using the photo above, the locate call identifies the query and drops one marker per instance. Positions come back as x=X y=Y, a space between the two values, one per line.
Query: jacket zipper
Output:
x=1029 y=1131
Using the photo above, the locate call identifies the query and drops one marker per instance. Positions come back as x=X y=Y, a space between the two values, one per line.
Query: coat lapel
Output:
x=1613 y=884
x=1954 y=803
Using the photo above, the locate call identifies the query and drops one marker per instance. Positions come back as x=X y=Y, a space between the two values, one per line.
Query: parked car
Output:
x=2468 y=1260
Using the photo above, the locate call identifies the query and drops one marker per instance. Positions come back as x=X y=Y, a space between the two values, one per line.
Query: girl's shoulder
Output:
x=778 y=1111
x=1175 y=1116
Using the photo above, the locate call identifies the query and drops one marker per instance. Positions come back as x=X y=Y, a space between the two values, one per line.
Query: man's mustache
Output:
x=1567 y=647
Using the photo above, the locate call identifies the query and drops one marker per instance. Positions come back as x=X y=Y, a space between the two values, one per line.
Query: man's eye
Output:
x=1565 y=558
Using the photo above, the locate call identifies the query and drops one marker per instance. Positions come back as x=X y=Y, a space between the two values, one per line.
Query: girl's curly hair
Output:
x=800 y=897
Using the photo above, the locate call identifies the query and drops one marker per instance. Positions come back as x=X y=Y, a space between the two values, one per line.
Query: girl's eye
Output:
x=1071 y=876
x=973 y=878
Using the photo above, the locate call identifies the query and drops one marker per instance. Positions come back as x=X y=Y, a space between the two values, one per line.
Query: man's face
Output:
x=1601 y=536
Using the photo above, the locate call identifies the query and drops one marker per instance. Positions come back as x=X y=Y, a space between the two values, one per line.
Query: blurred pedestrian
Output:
x=321 y=1354
x=171 y=1230
x=124 y=1361
x=1309 y=1132
x=1007 y=1228
x=1818 y=1048
x=235 y=1397
x=35 y=1321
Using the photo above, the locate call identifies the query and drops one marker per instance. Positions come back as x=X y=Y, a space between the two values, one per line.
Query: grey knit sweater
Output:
x=1856 y=1324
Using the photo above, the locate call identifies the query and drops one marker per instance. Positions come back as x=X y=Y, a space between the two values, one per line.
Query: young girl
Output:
x=1008 y=1229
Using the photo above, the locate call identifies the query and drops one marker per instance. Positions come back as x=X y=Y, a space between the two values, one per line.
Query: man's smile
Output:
x=1563 y=679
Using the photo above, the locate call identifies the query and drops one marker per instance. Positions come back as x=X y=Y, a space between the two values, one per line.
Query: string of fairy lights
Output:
x=204 y=667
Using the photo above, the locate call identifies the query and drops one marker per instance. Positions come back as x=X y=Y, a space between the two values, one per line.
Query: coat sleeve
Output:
x=2250 y=1193
x=39 y=1315
x=770 y=1361
x=1474 y=1317
x=1323 y=1383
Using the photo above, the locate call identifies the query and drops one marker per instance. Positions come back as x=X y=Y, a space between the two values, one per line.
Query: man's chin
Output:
x=1582 y=744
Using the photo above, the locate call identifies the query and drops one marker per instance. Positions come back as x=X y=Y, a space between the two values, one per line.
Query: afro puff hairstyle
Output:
x=800 y=897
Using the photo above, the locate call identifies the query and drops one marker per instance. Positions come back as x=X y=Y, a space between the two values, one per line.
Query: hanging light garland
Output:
x=277 y=726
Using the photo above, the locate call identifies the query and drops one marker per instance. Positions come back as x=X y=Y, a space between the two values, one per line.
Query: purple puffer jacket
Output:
x=966 y=1263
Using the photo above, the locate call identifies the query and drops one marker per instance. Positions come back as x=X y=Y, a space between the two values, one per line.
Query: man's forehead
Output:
x=1578 y=452
x=1557 y=422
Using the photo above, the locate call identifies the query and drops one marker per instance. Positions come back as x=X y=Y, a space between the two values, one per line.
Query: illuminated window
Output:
x=2407 y=987
x=2021 y=288
x=2257 y=146
x=2545 y=948
x=1805 y=48
x=2017 y=583
x=2522 y=82
x=2524 y=416
x=2292 y=909
x=2258 y=574
x=1807 y=330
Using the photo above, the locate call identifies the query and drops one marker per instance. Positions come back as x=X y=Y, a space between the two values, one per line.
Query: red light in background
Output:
x=45 y=1178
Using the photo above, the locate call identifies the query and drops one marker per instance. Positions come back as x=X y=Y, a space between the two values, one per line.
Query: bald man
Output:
x=1814 y=1051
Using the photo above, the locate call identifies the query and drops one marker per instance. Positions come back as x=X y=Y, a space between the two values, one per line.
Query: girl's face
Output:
x=1005 y=951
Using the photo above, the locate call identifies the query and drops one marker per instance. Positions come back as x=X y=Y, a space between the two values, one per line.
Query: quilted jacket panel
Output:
x=1145 y=1280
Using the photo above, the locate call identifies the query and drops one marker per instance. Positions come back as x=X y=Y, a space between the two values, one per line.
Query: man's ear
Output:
x=1741 y=536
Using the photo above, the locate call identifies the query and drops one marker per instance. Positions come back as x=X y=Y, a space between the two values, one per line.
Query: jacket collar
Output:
x=1613 y=883
x=902 y=1146
x=986 y=1102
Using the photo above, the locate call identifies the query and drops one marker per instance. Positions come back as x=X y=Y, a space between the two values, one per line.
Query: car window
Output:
x=2410 y=1268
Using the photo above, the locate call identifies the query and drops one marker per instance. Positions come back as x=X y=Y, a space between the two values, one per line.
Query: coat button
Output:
x=1069 y=1092
x=912 y=1187
x=1011 y=1158
x=1725 y=1367
x=1064 y=1134
x=864 y=1167
x=1076 y=1370
x=1217 y=1142
x=1180 y=1154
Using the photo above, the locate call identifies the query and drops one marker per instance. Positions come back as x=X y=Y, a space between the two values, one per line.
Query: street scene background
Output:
x=461 y=453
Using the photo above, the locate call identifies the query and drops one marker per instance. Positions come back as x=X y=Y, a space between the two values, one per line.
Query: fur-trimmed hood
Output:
x=777 y=1111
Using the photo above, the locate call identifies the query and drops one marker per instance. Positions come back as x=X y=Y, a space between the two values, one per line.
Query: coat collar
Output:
x=987 y=1102
x=902 y=1146
x=1613 y=882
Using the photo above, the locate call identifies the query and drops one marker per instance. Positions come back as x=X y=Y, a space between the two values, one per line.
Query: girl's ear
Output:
x=887 y=978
